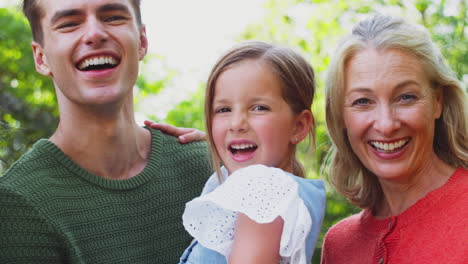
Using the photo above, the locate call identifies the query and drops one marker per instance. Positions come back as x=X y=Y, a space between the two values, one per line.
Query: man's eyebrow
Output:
x=113 y=7
x=65 y=13
x=75 y=12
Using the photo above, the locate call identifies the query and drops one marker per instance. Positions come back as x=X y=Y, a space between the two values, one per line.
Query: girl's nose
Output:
x=238 y=122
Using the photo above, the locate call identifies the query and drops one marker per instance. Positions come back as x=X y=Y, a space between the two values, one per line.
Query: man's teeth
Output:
x=97 y=61
x=389 y=146
x=242 y=146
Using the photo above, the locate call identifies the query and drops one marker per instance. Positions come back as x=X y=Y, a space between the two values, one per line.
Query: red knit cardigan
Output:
x=433 y=230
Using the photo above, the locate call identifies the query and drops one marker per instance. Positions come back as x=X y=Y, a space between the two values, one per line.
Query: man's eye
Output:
x=115 y=18
x=67 y=25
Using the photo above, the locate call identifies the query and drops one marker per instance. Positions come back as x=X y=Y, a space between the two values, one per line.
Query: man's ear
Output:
x=304 y=121
x=40 y=60
x=143 y=43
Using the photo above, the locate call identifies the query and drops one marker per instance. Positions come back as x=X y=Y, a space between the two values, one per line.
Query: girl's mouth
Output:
x=242 y=149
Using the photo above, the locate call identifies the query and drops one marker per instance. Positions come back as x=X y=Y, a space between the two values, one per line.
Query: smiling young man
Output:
x=101 y=189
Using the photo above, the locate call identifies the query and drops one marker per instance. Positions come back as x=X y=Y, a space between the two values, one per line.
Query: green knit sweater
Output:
x=53 y=211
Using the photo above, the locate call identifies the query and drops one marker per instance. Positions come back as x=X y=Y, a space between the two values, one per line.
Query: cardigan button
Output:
x=381 y=261
x=389 y=223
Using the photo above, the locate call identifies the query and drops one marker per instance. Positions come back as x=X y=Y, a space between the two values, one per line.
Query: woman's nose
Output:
x=386 y=120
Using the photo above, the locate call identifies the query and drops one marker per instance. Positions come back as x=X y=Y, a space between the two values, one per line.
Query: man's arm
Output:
x=25 y=235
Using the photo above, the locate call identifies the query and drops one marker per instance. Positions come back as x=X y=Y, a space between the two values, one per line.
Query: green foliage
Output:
x=28 y=110
x=189 y=113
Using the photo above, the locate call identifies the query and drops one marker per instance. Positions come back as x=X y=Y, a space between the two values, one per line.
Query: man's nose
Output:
x=96 y=33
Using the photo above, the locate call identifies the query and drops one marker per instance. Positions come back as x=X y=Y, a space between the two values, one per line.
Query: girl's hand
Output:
x=185 y=135
x=256 y=243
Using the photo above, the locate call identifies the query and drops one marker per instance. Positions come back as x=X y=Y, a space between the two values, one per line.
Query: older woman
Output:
x=398 y=120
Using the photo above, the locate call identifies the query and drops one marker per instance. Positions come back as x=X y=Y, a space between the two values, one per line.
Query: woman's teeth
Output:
x=389 y=147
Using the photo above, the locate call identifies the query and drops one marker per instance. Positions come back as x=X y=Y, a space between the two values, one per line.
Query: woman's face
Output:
x=390 y=112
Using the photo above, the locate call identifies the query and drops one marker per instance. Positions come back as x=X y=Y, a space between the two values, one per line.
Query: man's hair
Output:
x=346 y=172
x=33 y=11
x=292 y=70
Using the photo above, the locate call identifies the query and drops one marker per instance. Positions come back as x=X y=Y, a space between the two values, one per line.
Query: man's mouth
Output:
x=240 y=149
x=97 y=63
x=387 y=147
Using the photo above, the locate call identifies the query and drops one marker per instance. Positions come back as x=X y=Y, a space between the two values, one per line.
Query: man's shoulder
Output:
x=28 y=166
x=169 y=144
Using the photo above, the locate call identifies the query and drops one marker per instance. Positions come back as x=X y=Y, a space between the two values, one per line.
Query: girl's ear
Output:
x=40 y=60
x=304 y=121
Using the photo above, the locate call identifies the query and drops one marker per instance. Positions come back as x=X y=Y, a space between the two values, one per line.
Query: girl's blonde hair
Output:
x=346 y=172
x=294 y=72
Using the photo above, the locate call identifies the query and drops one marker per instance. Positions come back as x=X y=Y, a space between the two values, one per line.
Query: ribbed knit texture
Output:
x=53 y=211
x=433 y=230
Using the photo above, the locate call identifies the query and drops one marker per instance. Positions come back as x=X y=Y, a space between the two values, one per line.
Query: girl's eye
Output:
x=222 y=110
x=260 y=108
x=361 y=101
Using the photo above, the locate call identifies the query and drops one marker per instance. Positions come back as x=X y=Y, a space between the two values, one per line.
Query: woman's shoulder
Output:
x=344 y=227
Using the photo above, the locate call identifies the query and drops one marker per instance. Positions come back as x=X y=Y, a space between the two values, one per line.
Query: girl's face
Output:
x=389 y=113
x=251 y=122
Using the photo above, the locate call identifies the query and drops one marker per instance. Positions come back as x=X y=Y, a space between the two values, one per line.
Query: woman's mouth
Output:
x=389 y=147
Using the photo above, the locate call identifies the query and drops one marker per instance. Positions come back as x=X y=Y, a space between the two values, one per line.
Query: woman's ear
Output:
x=40 y=60
x=304 y=121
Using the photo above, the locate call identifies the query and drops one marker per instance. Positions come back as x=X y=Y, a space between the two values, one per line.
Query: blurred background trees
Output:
x=28 y=110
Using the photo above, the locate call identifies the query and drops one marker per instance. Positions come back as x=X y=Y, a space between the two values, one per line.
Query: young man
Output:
x=101 y=189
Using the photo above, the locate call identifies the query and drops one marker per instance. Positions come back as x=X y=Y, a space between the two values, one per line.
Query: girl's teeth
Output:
x=242 y=146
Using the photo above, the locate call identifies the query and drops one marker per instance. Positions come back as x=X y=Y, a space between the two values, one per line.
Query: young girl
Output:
x=257 y=108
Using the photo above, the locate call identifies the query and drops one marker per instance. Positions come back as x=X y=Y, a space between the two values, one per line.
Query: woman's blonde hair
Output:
x=346 y=172
x=294 y=72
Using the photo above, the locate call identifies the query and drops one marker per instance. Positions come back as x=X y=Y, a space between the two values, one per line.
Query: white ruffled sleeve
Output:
x=260 y=192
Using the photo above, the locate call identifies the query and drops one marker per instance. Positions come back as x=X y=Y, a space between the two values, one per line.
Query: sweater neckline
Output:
x=122 y=184
x=420 y=208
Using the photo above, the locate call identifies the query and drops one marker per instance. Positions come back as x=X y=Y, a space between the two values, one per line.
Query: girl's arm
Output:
x=256 y=243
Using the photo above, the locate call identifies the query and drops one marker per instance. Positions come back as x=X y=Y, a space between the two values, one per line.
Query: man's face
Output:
x=91 y=49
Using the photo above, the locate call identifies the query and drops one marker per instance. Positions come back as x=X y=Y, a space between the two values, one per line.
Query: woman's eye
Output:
x=407 y=97
x=361 y=101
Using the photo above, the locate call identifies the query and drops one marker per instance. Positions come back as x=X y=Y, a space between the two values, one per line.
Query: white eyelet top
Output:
x=260 y=192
